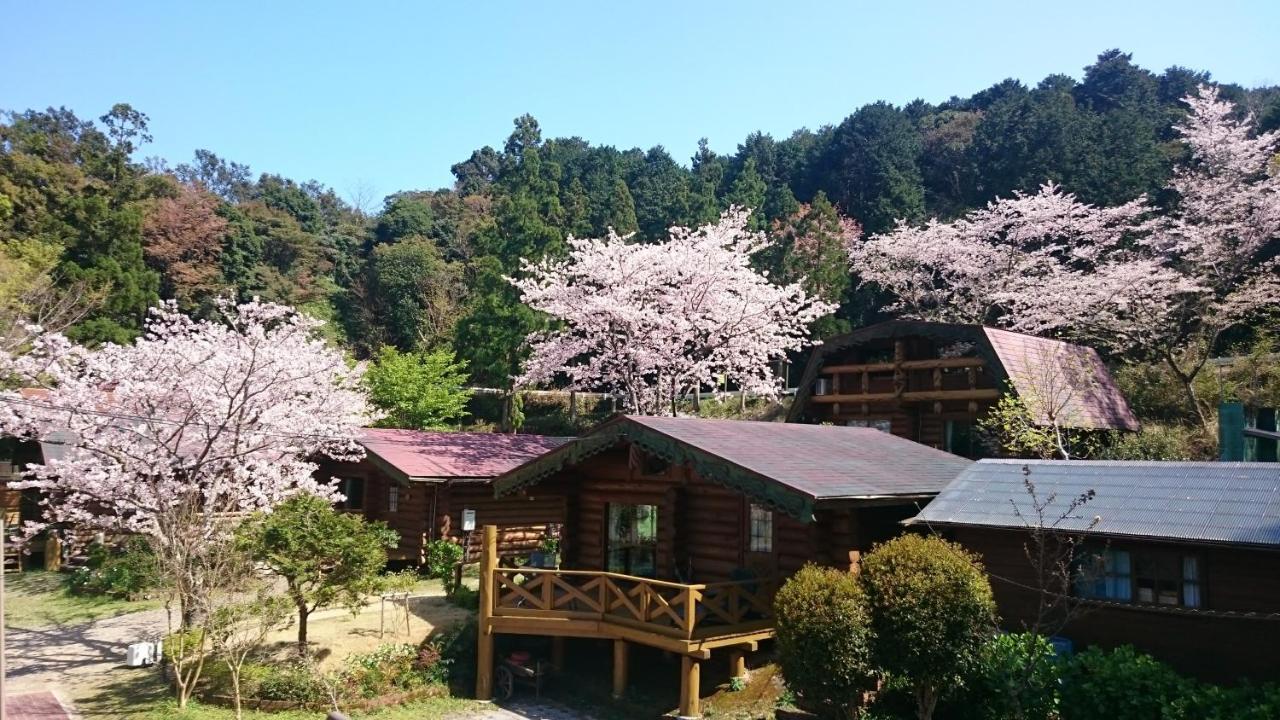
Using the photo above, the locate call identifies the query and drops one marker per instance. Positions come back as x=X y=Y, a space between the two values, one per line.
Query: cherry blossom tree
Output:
x=1150 y=284
x=193 y=425
x=654 y=322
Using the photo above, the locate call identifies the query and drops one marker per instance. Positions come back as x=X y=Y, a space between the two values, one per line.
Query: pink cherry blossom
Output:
x=655 y=322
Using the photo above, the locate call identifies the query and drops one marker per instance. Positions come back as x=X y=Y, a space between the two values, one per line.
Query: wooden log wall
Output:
x=522 y=519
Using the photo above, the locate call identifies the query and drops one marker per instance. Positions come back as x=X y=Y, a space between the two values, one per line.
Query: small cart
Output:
x=519 y=668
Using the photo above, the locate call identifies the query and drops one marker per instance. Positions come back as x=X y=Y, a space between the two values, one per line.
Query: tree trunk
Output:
x=926 y=701
x=235 y=690
x=303 y=612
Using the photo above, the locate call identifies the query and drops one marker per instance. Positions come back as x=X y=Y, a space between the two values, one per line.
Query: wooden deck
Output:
x=691 y=619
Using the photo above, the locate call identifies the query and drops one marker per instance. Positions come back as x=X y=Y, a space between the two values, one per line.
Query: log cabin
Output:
x=931 y=382
x=24 y=505
x=678 y=531
x=1179 y=559
x=420 y=483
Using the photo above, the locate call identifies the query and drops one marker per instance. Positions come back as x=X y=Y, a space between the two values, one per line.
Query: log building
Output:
x=677 y=531
x=1179 y=559
x=931 y=382
x=421 y=483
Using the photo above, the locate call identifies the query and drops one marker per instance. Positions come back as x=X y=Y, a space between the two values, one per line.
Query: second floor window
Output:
x=393 y=498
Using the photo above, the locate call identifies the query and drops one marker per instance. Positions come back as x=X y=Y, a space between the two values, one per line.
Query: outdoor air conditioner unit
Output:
x=142 y=654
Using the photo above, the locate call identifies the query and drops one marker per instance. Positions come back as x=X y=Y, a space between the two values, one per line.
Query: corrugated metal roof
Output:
x=1201 y=502
x=469 y=455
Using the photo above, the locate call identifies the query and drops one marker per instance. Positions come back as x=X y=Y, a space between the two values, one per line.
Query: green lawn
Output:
x=38 y=599
x=144 y=697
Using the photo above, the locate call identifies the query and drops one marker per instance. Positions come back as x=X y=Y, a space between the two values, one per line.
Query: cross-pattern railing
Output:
x=668 y=608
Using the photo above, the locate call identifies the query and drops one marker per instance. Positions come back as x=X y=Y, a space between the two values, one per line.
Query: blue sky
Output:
x=386 y=96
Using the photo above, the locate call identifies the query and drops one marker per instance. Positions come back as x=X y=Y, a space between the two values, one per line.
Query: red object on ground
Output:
x=35 y=706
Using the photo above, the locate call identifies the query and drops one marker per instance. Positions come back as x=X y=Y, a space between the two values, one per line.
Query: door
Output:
x=631 y=539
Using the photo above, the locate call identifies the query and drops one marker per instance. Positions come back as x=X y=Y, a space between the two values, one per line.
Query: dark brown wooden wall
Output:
x=522 y=519
x=1218 y=647
x=702 y=526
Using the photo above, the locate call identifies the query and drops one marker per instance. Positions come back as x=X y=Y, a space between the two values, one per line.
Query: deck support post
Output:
x=690 y=681
x=620 y=655
x=738 y=664
x=484 y=644
x=557 y=652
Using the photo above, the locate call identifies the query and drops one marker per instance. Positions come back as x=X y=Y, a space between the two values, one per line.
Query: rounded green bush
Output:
x=1121 y=684
x=1017 y=676
x=823 y=640
x=931 y=610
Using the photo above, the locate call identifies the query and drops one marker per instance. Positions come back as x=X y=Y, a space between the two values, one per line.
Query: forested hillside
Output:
x=92 y=235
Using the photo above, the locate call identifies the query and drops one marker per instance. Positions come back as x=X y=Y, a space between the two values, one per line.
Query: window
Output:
x=353 y=489
x=761 y=529
x=393 y=498
x=1142 y=576
x=881 y=424
x=1106 y=576
x=631 y=546
x=958 y=437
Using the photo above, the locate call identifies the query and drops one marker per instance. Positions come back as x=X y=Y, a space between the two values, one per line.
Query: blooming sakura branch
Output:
x=194 y=420
x=1160 y=283
x=656 y=322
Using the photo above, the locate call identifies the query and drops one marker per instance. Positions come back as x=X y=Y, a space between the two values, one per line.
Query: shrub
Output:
x=931 y=611
x=289 y=681
x=823 y=643
x=457 y=647
x=1122 y=684
x=1017 y=677
x=442 y=556
x=390 y=667
x=464 y=597
x=127 y=573
x=1157 y=441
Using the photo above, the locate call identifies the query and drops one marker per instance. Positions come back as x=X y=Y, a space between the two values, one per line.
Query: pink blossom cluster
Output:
x=655 y=322
x=1131 y=277
x=194 y=420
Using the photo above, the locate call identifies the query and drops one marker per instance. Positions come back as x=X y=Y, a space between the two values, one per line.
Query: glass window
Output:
x=393 y=498
x=631 y=546
x=881 y=424
x=958 y=437
x=1191 y=581
x=353 y=489
x=1106 y=575
x=1155 y=578
x=761 y=527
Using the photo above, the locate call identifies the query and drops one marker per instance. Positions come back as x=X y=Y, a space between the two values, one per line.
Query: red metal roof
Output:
x=1060 y=379
x=454 y=455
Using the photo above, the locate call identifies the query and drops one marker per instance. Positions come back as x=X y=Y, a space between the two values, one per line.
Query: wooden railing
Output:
x=667 y=608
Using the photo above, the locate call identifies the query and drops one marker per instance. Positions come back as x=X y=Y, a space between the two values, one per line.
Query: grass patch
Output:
x=144 y=697
x=39 y=599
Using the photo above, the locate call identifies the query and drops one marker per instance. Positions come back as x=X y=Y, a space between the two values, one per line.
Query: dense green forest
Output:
x=80 y=209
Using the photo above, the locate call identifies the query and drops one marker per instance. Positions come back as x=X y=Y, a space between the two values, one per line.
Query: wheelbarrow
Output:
x=519 y=668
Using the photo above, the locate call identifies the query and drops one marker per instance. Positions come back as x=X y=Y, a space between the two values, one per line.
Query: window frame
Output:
x=635 y=549
x=345 y=485
x=1188 y=566
x=760 y=517
x=393 y=497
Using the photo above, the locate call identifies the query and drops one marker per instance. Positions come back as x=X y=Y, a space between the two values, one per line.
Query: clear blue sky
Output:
x=386 y=96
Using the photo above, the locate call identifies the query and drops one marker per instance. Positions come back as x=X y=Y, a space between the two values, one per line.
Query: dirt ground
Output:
x=337 y=633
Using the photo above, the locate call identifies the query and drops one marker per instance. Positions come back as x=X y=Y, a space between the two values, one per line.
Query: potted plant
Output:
x=548 y=553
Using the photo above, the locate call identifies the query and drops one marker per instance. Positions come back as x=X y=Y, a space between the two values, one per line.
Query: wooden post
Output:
x=52 y=553
x=557 y=652
x=484 y=644
x=619 y=668
x=738 y=664
x=690 y=680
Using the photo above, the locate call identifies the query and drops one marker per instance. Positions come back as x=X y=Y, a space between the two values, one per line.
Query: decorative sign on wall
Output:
x=468 y=520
